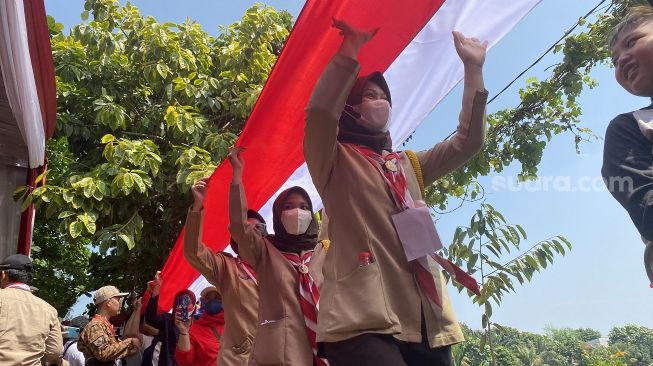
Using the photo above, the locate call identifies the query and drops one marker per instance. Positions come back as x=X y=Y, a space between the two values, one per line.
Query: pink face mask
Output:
x=374 y=114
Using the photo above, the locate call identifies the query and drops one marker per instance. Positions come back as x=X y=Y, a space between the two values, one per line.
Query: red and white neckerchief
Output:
x=247 y=268
x=20 y=286
x=309 y=298
x=393 y=174
x=392 y=171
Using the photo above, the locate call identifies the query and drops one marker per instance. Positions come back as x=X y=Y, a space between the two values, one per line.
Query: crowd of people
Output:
x=344 y=290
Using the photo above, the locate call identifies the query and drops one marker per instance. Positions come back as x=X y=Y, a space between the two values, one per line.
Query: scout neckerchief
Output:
x=393 y=174
x=20 y=286
x=309 y=297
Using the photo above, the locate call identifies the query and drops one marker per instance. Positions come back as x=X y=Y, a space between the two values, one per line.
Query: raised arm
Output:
x=449 y=155
x=132 y=328
x=250 y=242
x=328 y=100
x=152 y=316
x=201 y=257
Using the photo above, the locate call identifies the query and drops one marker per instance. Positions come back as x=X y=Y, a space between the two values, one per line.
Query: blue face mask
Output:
x=213 y=307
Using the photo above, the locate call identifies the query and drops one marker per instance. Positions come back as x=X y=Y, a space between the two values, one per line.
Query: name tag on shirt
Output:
x=417 y=232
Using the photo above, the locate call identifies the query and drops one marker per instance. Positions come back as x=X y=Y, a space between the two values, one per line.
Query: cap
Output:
x=17 y=261
x=105 y=293
x=210 y=289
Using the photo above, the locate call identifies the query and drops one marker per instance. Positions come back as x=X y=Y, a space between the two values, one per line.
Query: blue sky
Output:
x=601 y=283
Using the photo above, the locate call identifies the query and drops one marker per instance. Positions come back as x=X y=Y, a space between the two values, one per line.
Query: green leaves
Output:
x=109 y=113
x=490 y=249
x=144 y=110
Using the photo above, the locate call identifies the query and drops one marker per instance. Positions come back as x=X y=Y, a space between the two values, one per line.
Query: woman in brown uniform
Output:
x=232 y=276
x=378 y=308
x=285 y=264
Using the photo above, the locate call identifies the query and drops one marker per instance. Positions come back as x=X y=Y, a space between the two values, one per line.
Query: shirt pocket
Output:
x=243 y=347
x=270 y=342
x=358 y=302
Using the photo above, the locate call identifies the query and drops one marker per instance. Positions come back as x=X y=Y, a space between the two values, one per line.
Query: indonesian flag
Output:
x=413 y=48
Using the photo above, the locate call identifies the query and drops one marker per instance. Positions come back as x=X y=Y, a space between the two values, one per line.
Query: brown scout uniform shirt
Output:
x=383 y=297
x=239 y=293
x=281 y=337
x=30 y=331
x=97 y=341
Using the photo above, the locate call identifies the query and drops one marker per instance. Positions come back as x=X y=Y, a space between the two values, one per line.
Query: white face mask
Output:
x=296 y=221
x=375 y=114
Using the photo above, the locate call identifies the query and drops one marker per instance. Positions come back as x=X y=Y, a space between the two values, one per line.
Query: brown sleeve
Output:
x=53 y=343
x=210 y=265
x=449 y=155
x=322 y=116
x=250 y=242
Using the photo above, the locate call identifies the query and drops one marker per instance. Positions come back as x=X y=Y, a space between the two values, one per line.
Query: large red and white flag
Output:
x=414 y=50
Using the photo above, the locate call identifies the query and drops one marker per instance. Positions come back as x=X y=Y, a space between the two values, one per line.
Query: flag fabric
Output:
x=414 y=50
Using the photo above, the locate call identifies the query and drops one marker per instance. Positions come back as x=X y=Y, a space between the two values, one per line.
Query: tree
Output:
x=555 y=347
x=60 y=263
x=483 y=246
x=567 y=343
x=60 y=266
x=144 y=110
x=636 y=342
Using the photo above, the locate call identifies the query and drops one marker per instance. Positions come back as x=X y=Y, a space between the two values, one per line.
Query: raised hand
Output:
x=156 y=283
x=237 y=163
x=353 y=38
x=470 y=50
x=138 y=304
x=199 y=193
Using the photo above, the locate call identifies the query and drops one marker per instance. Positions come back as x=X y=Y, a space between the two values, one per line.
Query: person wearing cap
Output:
x=199 y=341
x=98 y=341
x=233 y=277
x=30 y=332
x=168 y=333
x=71 y=353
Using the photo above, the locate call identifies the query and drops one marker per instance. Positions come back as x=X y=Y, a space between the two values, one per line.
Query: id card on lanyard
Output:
x=413 y=222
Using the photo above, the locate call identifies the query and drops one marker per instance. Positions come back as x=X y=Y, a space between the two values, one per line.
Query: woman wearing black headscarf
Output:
x=285 y=266
x=380 y=306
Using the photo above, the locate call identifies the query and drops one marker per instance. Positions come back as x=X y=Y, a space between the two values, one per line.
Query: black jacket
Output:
x=628 y=170
x=168 y=332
